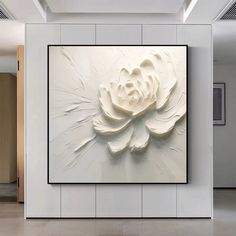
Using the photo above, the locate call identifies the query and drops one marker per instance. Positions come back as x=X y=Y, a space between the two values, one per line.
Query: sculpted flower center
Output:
x=129 y=91
x=135 y=95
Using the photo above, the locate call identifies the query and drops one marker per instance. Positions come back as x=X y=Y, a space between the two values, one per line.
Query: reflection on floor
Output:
x=224 y=224
x=8 y=192
x=225 y=205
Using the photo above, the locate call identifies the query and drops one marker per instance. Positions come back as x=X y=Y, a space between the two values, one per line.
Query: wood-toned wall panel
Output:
x=7 y=128
x=20 y=124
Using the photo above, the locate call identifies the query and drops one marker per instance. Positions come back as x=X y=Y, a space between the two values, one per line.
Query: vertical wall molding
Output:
x=118 y=200
x=159 y=200
x=78 y=200
x=195 y=199
x=42 y=200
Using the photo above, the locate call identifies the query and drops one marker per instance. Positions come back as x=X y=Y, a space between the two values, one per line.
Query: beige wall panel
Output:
x=20 y=124
x=7 y=128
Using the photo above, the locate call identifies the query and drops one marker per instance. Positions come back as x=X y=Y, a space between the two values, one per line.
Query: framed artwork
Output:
x=219 y=104
x=117 y=114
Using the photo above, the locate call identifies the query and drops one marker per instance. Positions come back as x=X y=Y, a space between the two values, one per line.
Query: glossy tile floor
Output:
x=8 y=192
x=224 y=224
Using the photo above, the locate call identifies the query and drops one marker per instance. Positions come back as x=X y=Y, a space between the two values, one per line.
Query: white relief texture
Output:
x=117 y=114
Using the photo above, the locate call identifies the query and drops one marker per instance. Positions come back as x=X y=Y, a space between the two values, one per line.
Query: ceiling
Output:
x=119 y=11
x=111 y=6
x=137 y=11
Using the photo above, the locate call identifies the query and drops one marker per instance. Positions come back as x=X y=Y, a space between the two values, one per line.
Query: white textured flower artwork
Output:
x=117 y=114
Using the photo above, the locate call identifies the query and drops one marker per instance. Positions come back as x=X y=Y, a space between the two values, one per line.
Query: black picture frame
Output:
x=219 y=104
x=187 y=113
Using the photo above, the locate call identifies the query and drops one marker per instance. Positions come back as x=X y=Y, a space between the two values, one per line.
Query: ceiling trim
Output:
x=189 y=9
x=41 y=10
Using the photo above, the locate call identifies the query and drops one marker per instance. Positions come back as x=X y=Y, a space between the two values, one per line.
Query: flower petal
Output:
x=106 y=105
x=140 y=138
x=104 y=126
x=161 y=65
x=136 y=74
x=147 y=105
x=165 y=120
x=124 y=75
x=121 y=142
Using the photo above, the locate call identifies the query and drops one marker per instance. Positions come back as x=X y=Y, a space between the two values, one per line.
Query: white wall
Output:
x=192 y=200
x=225 y=136
x=12 y=35
x=8 y=64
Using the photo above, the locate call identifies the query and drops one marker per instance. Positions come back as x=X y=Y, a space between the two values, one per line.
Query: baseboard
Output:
x=225 y=188
x=119 y=218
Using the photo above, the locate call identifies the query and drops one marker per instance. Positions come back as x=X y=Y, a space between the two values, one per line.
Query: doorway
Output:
x=12 y=132
x=224 y=129
x=8 y=117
